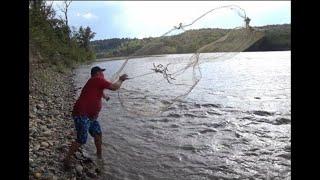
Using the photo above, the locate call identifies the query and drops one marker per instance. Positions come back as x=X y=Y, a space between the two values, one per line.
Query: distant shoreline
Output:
x=160 y=55
x=124 y=57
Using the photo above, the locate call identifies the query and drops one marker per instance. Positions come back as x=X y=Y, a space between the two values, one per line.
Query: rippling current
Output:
x=236 y=124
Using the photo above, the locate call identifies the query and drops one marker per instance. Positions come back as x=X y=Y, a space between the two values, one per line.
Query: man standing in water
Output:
x=86 y=110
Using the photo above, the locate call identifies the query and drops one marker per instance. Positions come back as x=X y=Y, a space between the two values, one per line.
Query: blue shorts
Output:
x=84 y=124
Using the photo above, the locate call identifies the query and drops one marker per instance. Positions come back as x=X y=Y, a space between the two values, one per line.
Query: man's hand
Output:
x=123 y=77
x=107 y=98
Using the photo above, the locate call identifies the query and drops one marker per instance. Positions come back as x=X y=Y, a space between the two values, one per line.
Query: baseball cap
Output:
x=96 y=69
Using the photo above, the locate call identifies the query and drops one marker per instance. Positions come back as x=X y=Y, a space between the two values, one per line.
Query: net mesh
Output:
x=177 y=75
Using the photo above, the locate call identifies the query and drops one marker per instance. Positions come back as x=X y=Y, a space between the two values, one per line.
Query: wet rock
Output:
x=32 y=116
x=32 y=130
x=50 y=143
x=47 y=133
x=51 y=126
x=44 y=144
x=39 y=106
x=78 y=155
x=37 y=175
x=79 y=169
x=54 y=177
x=87 y=160
x=32 y=164
x=85 y=154
x=36 y=147
x=93 y=175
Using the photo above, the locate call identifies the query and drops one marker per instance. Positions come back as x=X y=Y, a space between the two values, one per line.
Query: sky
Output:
x=139 y=19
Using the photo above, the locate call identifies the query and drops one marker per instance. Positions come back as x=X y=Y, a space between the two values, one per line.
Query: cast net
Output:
x=157 y=82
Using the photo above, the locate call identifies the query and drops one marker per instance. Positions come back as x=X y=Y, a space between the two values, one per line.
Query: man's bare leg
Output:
x=98 y=143
x=74 y=147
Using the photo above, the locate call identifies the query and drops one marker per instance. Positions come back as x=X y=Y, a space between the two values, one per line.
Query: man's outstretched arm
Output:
x=115 y=86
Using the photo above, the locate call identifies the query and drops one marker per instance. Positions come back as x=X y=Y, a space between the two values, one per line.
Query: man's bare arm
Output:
x=115 y=86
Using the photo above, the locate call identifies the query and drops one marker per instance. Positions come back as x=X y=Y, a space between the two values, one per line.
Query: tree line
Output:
x=277 y=37
x=52 y=37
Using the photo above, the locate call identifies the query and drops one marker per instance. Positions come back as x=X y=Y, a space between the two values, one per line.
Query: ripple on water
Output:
x=211 y=105
x=207 y=131
x=285 y=156
x=174 y=126
x=165 y=102
x=174 y=115
x=214 y=113
x=164 y=120
x=217 y=125
x=195 y=115
x=280 y=121
x=251 y=154
x=160 y=120
x=188 y=148
x=263 y=113
x=172 y=108
x=193 y=134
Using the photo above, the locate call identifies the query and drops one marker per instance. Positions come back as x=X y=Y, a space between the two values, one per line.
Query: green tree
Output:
x=83 y=36
x=53 y=39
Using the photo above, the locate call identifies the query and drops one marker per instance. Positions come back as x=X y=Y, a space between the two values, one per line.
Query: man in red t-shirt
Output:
x=86 y=110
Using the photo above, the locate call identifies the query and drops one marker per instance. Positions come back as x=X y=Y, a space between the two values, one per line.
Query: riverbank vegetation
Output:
x=53 y=40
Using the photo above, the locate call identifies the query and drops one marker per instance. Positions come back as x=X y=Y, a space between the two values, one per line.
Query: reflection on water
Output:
x=235 y=123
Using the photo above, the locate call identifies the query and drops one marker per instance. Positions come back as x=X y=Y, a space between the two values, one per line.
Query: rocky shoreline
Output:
x=51 y=128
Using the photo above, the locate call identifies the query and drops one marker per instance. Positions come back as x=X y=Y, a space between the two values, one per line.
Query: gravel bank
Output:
x=51 y=129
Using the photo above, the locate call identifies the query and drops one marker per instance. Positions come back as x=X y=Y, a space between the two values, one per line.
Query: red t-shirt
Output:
x=89 y=102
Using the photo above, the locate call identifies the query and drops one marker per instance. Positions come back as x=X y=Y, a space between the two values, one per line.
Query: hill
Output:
x=277 y=38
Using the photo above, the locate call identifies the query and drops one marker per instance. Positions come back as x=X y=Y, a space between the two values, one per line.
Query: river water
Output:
x=235 y=124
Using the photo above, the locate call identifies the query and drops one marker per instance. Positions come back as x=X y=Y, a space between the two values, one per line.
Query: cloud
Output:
x=87 y=15
x=152 y=17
